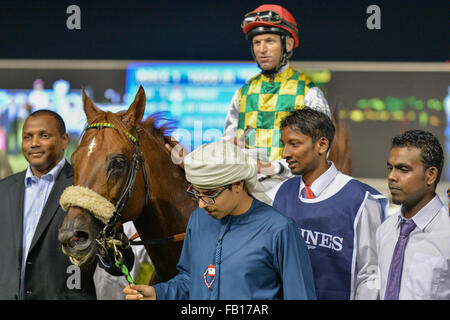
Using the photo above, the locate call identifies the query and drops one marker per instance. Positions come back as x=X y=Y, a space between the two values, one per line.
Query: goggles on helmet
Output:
x=268 y=17
x=265 y=16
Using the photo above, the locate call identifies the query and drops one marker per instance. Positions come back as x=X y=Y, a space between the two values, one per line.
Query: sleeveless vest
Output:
x=327 y=228
x=264 y=103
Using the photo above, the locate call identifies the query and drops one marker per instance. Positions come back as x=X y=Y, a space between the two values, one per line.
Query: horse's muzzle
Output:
x=77 y=236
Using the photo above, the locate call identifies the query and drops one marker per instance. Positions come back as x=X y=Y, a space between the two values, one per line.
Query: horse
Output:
x=341 y=150
x=113 y=148
x=158 y=204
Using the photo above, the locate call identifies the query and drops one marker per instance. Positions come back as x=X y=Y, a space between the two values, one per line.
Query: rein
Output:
x=174 y=238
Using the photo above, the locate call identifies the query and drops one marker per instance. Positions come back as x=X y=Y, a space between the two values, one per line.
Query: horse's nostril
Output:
x=64 y=236
x=73 y=239
x=80 y=236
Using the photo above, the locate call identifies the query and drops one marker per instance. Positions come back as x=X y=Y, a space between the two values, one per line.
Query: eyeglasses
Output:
x=266 y=16
x=208 y=199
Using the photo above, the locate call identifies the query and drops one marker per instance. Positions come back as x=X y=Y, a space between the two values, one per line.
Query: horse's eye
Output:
x=118 y=164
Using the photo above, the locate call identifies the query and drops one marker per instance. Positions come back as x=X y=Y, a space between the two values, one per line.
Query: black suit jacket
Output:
x=48 y=272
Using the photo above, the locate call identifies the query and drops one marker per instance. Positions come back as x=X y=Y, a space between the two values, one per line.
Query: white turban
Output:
x=217 y=164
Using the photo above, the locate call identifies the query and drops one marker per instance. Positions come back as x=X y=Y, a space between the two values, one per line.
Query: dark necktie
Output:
x=395 y=270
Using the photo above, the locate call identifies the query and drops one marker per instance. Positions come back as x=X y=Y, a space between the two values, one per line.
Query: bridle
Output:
x=138 y=157
x=108 y=238
x=109 y=241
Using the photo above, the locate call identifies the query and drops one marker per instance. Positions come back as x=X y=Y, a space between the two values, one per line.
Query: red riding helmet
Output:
x=270 y=18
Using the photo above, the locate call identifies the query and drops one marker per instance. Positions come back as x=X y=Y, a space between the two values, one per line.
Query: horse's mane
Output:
x=340 y=152
x=160 y=131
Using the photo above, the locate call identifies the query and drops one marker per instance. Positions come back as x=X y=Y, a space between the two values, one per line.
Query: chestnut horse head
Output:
x=123 y=172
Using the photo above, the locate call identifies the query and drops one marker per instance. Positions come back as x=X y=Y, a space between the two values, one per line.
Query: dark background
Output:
x=371 y=140
x=210 y=30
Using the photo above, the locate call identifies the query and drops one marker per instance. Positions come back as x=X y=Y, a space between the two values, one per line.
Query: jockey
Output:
x=257 y=109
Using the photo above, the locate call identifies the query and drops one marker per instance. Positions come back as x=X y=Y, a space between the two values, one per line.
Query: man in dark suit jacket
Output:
x=32 y=265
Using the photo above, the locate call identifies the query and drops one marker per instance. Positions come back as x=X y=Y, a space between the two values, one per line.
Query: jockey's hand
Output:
x=239 y=142
x=177 y=152
x=267 y=168
x=146 y=292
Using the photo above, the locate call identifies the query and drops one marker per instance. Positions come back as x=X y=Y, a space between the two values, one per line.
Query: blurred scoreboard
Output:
x=196 y=95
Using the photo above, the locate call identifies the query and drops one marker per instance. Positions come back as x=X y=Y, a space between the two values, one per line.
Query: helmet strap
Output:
x=283 y=61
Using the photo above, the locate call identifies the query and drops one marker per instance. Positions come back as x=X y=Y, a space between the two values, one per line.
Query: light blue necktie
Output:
x=395 y=270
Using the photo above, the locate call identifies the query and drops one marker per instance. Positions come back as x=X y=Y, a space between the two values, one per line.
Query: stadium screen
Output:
x=195 y=95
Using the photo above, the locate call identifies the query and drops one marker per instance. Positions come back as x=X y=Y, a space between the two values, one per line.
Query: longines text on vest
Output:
x=325 y=240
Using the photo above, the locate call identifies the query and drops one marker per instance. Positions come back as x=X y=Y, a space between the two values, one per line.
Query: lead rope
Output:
x=123 y=268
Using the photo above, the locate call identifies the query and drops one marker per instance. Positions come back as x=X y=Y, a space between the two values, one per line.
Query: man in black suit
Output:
x=32 y=265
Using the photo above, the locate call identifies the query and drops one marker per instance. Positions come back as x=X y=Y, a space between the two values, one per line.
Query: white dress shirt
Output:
x=426 y=264
x=364 y=281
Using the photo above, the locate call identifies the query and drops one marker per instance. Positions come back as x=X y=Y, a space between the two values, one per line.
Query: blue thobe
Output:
x=257 y=255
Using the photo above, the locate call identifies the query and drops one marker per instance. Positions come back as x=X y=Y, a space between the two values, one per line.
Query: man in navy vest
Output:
x=337 y=214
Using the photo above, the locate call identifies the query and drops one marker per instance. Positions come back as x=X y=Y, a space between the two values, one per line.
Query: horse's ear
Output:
x=135 y=112
x=90 y=109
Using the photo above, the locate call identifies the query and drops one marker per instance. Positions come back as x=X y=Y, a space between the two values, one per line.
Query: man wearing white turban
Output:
x=236 y=246
x=218 y=164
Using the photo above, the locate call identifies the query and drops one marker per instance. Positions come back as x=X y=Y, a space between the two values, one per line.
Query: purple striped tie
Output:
x=307 y=193
x=395 y=270
x=304 y=194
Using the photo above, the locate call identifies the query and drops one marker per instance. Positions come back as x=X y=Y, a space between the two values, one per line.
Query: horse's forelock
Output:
x=112 y=118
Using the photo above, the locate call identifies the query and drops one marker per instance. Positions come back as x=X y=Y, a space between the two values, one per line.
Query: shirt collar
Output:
x=425 y=215
x=322 y=182
x=51 y=175
x=283 y=69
